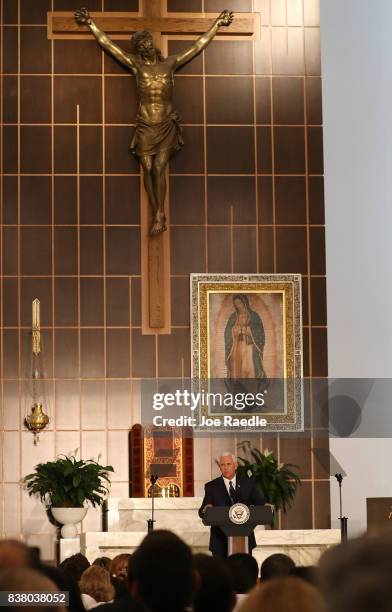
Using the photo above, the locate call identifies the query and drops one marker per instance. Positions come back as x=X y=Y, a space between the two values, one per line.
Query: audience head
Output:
x=95 y=581
x=119 y=573
x=75 y=566
x=276 y=566
x=14 y=553
x=163 y=575
x=27 y=579
x=244 y=571
x=309 y=573
x=283 y=595
x=103 y=562
x=356 y=576
x=130 y=575
x=215 y=591
x=64 y=582
x=119 y=566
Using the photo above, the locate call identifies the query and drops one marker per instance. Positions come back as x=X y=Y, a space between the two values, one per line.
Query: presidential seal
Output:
x=239 y=514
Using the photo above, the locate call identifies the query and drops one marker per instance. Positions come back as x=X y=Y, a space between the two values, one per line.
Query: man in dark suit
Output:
x=227 y=490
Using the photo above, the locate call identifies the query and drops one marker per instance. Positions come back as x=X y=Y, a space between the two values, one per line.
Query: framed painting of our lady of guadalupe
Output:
x=247 y=350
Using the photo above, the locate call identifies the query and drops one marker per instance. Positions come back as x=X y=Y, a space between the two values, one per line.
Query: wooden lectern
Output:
x=237 y=526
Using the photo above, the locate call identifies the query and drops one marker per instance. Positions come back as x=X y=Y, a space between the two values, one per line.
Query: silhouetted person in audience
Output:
x=215 y=592
x=75 y=566
x=103 y=562
x=244 y=572
x=64 y=582
x=126 y=602
x=287 y=594
x=276 y=566
x=309 y=573
x=357 y=576
x=163 y=573
x=15 y=554
x=27 y=579
x=96 y=587
x=118 y=573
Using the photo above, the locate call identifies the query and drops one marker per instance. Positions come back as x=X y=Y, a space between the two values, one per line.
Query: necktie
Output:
x=232 y=491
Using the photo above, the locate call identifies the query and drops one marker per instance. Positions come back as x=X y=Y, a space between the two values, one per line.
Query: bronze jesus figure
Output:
x=158 y=132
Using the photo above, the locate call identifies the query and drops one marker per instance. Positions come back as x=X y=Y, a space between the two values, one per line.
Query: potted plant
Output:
x=277 y=483
x=64 y=485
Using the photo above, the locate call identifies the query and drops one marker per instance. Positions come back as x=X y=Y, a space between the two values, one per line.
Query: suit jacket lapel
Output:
x=239 y=486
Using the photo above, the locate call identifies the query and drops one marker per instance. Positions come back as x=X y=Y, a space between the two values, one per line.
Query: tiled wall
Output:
x=246 y=195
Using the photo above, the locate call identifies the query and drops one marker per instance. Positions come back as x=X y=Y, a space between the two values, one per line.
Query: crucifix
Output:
x=158 y=133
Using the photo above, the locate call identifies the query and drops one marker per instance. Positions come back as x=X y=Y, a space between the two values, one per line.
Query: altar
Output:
x=125 y=522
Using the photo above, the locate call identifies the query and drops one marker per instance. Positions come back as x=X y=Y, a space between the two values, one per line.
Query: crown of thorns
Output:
x=138 y=38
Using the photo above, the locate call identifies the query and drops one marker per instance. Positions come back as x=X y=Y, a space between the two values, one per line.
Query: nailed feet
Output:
x=159 y=224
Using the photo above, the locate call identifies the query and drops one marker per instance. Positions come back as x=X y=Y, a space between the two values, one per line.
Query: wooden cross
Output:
x=152 y=16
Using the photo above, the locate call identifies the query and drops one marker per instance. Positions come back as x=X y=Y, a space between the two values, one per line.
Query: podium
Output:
x=237 y=523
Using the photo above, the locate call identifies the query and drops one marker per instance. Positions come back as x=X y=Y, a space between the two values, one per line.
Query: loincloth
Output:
x=150 y=139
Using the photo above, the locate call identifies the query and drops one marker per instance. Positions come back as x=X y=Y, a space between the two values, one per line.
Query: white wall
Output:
x=356 y=46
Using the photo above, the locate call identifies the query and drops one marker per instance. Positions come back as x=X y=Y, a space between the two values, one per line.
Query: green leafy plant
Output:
x=68 y=482
x=277 y=483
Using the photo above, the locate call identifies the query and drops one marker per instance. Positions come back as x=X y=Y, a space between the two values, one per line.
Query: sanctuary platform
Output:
x=126 y=522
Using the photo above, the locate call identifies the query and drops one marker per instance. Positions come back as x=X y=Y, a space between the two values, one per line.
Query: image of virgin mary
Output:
x=244 y=348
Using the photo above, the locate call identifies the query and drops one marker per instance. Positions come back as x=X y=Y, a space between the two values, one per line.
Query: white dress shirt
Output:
x=90 y=603
x=227 y=482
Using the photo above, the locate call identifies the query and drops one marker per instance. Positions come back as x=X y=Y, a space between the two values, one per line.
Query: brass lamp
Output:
x=36 y=420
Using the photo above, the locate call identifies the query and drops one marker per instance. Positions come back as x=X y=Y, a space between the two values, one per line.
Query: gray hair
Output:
x=228 y=454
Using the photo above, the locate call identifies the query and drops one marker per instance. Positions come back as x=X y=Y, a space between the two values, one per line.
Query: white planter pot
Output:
x=69 y=517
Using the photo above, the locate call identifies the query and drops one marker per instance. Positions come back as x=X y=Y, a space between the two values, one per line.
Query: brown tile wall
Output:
x=246 y=195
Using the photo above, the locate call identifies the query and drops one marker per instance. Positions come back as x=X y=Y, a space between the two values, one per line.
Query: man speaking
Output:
x=227 y=490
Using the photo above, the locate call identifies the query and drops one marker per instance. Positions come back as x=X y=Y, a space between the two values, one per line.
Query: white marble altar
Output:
x=131 y=514
x=127 y=526
x=304 y=546
x=69 y=547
